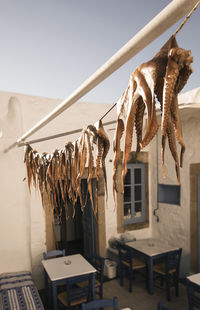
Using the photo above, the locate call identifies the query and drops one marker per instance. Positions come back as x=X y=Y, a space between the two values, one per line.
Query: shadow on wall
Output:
x=11 y=125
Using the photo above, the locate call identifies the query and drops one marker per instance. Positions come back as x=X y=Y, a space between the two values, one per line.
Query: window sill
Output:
x=131 y=227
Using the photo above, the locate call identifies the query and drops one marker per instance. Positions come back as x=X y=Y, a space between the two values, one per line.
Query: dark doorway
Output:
x=78 y=233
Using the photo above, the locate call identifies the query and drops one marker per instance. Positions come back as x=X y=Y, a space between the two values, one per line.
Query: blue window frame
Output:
x=134 y=194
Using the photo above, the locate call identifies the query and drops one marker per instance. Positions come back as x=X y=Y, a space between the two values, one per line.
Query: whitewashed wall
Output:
x=174 y=221
x=22 y=221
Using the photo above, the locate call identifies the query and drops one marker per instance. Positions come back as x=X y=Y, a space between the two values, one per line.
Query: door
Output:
x=198 y=208
x=194 y=217
x=88 y=222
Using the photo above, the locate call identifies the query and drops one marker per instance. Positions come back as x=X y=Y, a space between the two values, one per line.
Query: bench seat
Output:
x=17 y=291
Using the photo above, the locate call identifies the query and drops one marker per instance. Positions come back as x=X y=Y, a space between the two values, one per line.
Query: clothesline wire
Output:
x=174 y=34
x=186 y=19
x=108 y=111
x=59 y=135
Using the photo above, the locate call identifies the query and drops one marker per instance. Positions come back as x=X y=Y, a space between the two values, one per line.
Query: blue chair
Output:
x=101 y=303
x=127 y=261
x=193 y=293
x=53 y=254
x=98 y=262
x=168 y=271
x=49 y=255
x=75 y=295
x=161 y=306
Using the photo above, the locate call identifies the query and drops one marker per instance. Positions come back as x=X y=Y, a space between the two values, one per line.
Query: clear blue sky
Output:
x=49 y=47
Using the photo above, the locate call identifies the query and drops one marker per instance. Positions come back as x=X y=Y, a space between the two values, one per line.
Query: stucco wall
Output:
x=15 y=211
x=22 y=220
x=174 y=221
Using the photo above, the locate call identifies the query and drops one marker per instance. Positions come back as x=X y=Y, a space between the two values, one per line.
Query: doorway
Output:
x=78 y=234
x=195 y=218
x=84 y=226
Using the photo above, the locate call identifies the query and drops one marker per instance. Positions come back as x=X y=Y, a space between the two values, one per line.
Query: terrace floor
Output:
x=140 y=299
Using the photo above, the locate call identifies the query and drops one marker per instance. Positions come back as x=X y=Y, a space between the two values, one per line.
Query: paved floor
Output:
x=140 y=299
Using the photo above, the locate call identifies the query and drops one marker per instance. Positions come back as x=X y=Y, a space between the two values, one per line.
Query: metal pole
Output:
x=171 y=14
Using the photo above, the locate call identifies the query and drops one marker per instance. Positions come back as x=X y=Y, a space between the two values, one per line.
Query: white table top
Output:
x=67 y=266
x=151 y=246
x=195 y=278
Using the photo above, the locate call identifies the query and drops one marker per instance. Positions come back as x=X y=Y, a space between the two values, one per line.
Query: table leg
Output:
x=47 y=290
x=150 y=275
x=93 y=287
x=55 y=303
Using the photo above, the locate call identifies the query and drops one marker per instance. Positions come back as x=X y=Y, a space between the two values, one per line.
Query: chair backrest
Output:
x=53 y=254
x=76 y=293
x=173 y=260
x=193 y=293
x=162 y=307
x=125 y=253
x=98 y=262
x=101 y=303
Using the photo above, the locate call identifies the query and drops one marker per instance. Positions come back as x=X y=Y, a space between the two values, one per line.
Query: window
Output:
x=169 y=194
x=134 y=194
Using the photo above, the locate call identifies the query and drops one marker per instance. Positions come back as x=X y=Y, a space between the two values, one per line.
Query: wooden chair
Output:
x=50 y=255
x=98 y=262
x=75 y=295
x=168 y=270
x=193 y=293
x=53 y=254
x=161 y=306
x=127 y=261
x=101 y=303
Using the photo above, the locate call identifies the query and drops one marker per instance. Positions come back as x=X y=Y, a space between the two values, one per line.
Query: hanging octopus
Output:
x=59 y=174
x=163 y=77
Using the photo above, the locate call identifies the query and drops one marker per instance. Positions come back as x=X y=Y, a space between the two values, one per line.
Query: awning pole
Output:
x=171 y=14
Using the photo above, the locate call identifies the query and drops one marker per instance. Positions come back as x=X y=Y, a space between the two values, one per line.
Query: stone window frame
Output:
x=142 y=157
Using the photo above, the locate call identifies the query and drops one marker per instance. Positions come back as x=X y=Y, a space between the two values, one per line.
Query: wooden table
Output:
x=66 y=267
x=193 y=290
x=195 y=278
x=150 y=249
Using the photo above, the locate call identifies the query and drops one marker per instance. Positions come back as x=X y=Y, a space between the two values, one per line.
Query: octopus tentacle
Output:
x=172 y=146
x=152 y=130
x=139 y=123
x=74 y=177
x=106 y=146
x=82 y=161
x=27 y=161
x=177 y=123
x=117 y=158
x=91 y=169
x=169 y=84
x=129 y=130
x=144 y=91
